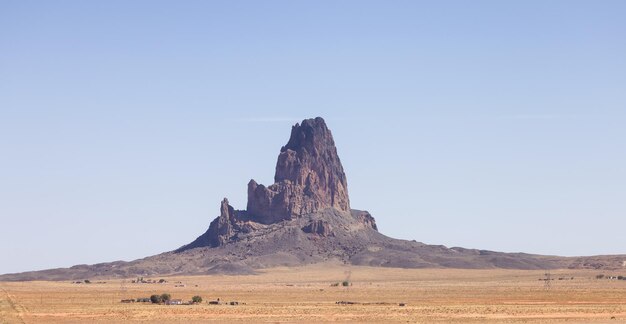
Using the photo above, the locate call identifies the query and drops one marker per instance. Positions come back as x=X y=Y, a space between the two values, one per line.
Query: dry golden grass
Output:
x=305 y=294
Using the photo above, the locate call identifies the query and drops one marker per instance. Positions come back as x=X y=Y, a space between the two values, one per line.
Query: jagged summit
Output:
x=309 y=179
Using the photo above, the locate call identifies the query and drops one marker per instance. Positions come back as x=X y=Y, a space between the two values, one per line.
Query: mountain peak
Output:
x=303 y=218
x=309 y=134
x=309 y=177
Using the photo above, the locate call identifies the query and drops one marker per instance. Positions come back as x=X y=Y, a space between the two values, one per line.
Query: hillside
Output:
x=303 y=218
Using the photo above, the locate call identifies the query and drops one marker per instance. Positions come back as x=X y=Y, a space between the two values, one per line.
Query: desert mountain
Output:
x=305 y=217
x=309 y=180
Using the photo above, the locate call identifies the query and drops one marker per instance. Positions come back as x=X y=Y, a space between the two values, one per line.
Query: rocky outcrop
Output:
x=309 y=177
x=221 y=230
x=365 y=218
x=318 y=227
x=309 y=180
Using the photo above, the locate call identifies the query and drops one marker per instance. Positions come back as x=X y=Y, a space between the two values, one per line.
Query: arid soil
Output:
x=305 y=294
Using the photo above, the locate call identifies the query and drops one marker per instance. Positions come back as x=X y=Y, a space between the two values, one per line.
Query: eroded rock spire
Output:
x=309 y=177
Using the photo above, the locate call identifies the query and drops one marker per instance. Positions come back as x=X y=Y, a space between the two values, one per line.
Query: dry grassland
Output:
x=305 y=294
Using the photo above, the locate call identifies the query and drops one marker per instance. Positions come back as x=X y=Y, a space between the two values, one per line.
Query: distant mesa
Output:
x=305 y=217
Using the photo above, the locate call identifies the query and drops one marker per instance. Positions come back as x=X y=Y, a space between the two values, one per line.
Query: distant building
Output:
x=174 y=302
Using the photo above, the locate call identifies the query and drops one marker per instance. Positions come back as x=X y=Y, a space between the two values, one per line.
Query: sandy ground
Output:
x=305 y=295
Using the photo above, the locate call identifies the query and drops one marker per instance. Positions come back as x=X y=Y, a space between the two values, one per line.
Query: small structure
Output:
x=214 y=302
x=174 y=302
x=343 y=302
x=234 y=303
x=128 y=301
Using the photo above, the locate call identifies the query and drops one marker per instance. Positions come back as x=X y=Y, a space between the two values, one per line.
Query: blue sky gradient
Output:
x=485 y=124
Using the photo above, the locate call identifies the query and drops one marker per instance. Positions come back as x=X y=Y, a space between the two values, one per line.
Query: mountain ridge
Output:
x=305 y=217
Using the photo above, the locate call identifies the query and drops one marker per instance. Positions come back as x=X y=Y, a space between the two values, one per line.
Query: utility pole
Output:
x=547 y=279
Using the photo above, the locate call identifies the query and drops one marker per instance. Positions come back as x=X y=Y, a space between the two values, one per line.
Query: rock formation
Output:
x=304 y=218
x=318 y=227
x=220 y=230
x=366 y=218
x=309 y=177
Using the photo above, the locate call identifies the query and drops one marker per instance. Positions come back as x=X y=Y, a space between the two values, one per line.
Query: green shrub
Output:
x=196 y=299
x=156 y=299
x=345 y=283
x=165 y=297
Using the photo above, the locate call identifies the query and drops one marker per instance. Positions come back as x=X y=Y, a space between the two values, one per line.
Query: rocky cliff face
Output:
x=220 y=231
x=222 y=228
x=309 y=177
x=318 y=227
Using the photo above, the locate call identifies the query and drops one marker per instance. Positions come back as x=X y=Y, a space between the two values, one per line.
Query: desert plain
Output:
x=310 y=294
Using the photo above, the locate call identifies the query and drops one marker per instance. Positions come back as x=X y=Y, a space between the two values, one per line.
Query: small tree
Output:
x=165 y=297
x=345 y=283
x=162 y=280
x=196 y=299
x=156 y=299
x=87 y=281
x=600 y=276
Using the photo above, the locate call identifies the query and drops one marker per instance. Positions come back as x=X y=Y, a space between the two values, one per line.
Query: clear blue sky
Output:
x=485 y=124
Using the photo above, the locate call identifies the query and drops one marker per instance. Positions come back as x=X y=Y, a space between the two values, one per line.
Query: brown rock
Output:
x=221 y=229
x=309 y=177
x=366 y=218
x=318 y=227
